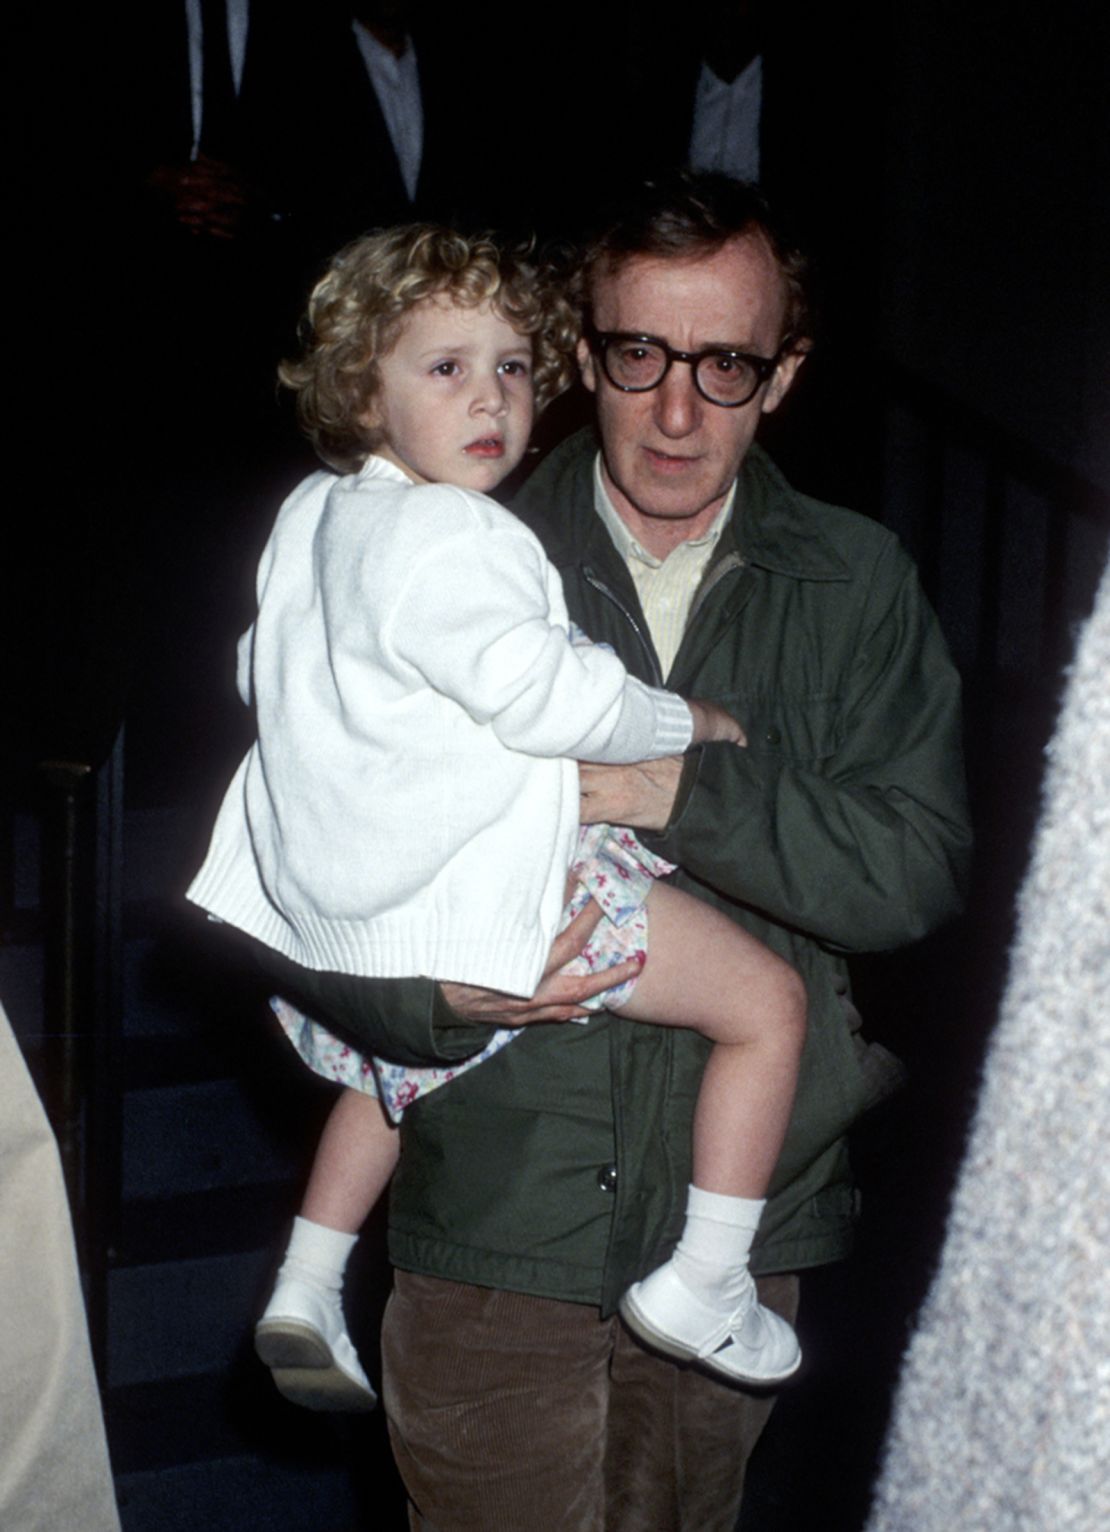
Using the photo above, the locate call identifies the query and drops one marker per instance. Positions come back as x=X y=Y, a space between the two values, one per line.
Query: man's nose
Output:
x=678 y=404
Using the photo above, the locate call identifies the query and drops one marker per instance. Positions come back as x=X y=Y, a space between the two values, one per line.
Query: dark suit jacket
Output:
x=345 y=171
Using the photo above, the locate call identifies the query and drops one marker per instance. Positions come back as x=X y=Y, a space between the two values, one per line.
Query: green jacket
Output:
x=559 y=1167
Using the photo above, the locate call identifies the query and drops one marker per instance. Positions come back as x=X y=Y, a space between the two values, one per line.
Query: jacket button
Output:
x=607 y=1178
x=773 y=736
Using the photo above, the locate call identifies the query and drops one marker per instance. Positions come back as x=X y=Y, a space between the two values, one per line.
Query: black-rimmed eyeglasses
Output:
x=638 y=363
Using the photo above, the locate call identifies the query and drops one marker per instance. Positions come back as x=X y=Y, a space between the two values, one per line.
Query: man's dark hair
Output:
x=687 y=214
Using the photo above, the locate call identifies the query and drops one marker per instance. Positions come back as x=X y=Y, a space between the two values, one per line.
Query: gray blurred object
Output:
x=54 y=1470
x=1003 y=1415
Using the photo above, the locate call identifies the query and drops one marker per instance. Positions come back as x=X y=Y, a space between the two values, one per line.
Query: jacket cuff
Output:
x=453 y=1037
x=404 y=1020
x=691 y=764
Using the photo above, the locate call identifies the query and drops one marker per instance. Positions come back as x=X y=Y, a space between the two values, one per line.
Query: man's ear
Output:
x=586 y=365
x=784 y=375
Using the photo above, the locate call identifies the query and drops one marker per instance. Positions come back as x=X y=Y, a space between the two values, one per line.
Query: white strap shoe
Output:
x=302 y=1338
x=748 y=1344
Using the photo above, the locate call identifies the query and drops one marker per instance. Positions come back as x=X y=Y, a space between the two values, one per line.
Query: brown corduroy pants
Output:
x=509 y=1413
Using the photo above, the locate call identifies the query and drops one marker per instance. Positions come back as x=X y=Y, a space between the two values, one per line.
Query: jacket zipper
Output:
x=620 y=1209
x=607 y=591
x=732 y=561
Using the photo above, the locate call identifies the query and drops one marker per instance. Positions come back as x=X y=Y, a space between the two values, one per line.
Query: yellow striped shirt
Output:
x=666 y=587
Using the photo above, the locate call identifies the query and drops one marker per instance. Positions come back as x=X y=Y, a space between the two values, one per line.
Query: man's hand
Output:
x=208 y=198
x=559 y=996
x=642 y=796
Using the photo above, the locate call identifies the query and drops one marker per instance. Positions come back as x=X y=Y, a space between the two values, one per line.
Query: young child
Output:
x=410 y=804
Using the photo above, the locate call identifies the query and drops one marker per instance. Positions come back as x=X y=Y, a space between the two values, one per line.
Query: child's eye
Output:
x=515 y=368
x=446 y=369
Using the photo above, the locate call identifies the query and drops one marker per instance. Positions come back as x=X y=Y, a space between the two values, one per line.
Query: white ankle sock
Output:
x=712 y=1256
x=317 y=1254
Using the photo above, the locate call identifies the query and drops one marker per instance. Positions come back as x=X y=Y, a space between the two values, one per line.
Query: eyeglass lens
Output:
x=721 y=375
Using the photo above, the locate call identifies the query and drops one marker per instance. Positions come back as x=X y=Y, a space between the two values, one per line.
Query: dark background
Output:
x=949 y=164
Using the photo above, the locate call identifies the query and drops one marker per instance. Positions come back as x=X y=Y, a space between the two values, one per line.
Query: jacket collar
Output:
x=776 y=528
x=773 y=527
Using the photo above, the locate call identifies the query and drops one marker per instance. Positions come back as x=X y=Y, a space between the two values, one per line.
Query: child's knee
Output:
x=792 y=1006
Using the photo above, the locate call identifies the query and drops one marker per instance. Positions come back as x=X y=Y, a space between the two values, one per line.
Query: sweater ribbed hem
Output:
x=411 y=944
x=675 y=725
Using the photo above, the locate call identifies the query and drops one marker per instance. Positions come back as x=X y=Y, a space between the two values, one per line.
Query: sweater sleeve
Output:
x=475 y=619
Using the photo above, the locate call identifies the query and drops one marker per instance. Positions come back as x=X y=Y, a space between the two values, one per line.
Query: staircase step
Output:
x=230 y=1494
x=235 y=1412
x=190 y=1138
x=183 y=1318
x=225 y=1221
x=21 y=984
x=225 y=1451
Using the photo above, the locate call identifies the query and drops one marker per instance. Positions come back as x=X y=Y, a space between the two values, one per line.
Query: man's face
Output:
x=669 y=455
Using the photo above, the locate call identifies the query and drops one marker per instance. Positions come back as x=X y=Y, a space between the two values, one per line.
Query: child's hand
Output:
x=713 y=725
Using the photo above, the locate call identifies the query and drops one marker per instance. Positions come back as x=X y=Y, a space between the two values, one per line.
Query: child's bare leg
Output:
x=705 y=973
x=355 y=1159
x=302 y=1336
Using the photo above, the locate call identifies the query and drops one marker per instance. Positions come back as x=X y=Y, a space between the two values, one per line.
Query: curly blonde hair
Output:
x=356 y=309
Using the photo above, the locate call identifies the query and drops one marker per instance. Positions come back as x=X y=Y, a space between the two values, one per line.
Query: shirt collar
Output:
x=393 y=66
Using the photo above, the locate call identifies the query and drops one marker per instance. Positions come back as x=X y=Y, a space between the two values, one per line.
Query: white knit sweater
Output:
x=411 y=803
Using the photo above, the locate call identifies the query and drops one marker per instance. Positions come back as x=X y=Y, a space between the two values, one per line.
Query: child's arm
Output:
x=712 y=724
x=479 y=618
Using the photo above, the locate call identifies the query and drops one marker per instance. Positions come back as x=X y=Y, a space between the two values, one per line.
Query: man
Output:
x=532 y=1192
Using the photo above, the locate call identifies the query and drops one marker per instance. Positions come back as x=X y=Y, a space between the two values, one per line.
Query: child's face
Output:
x=455 y=400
